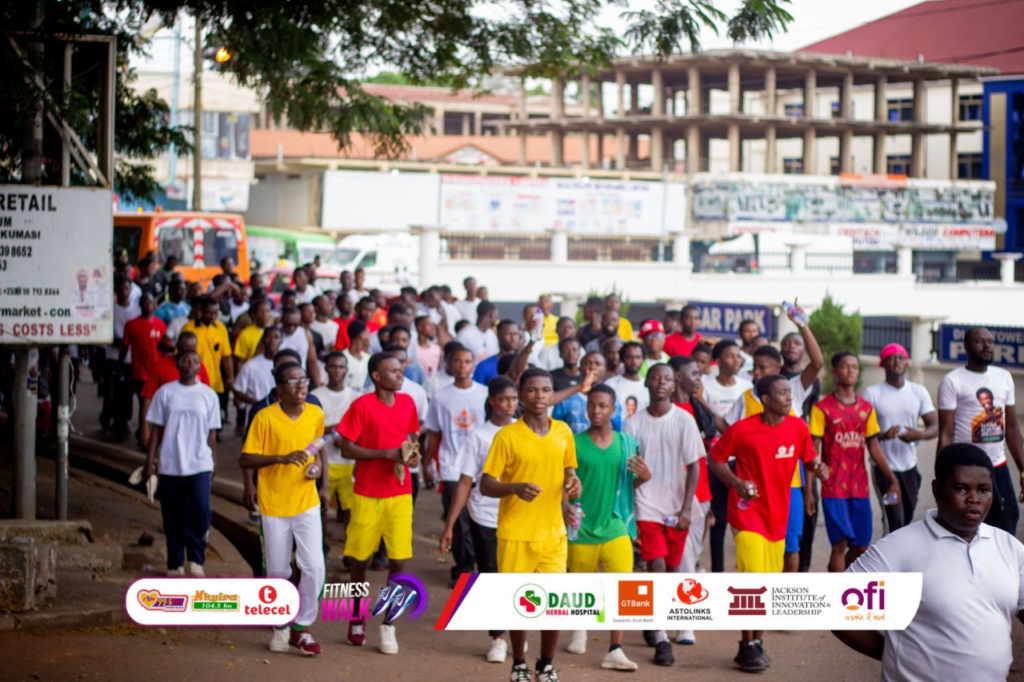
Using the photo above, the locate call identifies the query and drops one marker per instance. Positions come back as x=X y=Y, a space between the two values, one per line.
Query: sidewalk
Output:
x=92 y=578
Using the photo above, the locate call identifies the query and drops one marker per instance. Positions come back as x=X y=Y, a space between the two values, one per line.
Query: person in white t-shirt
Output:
x=721 y=392
x=256 y=378
x=444 y=377
x=184 y=417
x=454 y=412
x=976 y=405
x=503 y=400
x=549 y=357
x=480 y=337
x=629 y=386
x=117 y=372
x=900 y=406
x=467 y=306
x=323 y=325
x=335 y=399
x=671 y=447
x=357 y=355
x=972 y=582
x=304 y=291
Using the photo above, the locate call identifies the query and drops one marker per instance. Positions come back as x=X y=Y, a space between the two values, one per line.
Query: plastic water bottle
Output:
x=538 y=326
x=671 y=520
x=313 y=469
x=744 y=503
x=573 y=531
x=800 y=318
x=890 y=499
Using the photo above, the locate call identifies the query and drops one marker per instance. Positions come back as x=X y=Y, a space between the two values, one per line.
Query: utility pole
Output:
x=197 y=120
x=172 y=170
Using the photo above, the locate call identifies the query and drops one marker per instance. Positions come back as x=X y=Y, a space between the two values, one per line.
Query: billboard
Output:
x=722 y=320
x=56 y=284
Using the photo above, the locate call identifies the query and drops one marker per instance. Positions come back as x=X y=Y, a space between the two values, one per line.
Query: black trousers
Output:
x=117 y=395
x=898 y=515
x=720 y=508
x=462 y=541
x=485 y=545
x=1004 y=512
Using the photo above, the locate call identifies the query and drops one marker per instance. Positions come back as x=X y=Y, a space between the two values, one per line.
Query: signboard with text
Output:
x=56 y=284
x=722 y=320
x=1008 y=351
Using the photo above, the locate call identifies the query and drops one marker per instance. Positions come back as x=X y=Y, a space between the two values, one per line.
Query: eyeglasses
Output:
x=296 y=382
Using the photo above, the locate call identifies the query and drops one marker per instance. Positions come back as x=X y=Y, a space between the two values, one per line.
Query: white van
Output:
x=390 y=260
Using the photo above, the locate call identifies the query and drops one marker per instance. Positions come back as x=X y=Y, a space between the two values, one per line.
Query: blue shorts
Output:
x=848 y=519
x=795 y=527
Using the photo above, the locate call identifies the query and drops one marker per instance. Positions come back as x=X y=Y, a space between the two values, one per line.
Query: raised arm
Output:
x=815 y=359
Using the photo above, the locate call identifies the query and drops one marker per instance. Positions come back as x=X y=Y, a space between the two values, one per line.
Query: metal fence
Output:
x=618 y=249
x=495 y=246
x=878 y=332
x=829 y=262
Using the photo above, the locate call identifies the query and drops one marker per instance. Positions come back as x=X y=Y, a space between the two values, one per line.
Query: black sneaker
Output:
x=750 y=659
x=760 y=649
x=649 y=637
x=520 y=673
x=663 y=654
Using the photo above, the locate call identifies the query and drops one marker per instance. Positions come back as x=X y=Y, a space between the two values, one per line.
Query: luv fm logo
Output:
x=404 y=591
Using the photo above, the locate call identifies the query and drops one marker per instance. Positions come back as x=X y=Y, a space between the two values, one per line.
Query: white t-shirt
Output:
x=626 y=389
x=358 y=370
x=256 y=379
x=308 y=295
x=962 y=390
x=175 y=327
x=467 y=309
x=335 y=404
x=470 y=462
x=418 y=395
x=188 y=414
x=328 y=331
x=298 y=342
x=738 y=410
x=454 y=413
x=122 y=316
x=483 y=344
x=451 y=314
x=436 y=382
x=969 y=594
x=721 y=398
x=235 y=310
x=550 y=359
x=668 y=444
x=902 y=406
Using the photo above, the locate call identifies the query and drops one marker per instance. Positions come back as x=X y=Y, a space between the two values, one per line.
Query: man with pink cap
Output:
x=900 y=406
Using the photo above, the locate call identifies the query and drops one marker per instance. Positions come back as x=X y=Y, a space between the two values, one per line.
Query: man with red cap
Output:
x=900 y=406
x=652 y=335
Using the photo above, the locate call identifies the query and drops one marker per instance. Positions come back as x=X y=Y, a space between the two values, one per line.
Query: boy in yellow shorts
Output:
x=372 y=433
x=610 y=467
x=531 y=467
x=767 y=447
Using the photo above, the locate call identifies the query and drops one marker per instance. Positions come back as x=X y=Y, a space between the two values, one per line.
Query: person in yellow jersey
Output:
x=532 y=468
x=547 y=307
x=249 y=338
x=613 y=303
x=214 y=348
x=768 y=360
x=289 y=500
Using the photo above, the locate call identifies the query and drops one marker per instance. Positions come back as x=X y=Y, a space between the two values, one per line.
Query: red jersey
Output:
x=675 y=344
x=342 y=341
x=164 y=372
x=369 y=423
x=844 y=430
x=142 y=336
x=767 y=456
x=703 y=493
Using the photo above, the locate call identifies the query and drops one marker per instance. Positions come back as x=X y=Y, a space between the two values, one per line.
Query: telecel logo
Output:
x=530 y=601
x=853 y=599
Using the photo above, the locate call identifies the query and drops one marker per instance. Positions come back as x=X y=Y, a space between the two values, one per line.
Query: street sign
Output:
x=56 y=284
x=1008 y=352
x=723 y=319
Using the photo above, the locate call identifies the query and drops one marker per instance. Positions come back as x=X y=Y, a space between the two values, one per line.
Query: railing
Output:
x=881 y=331
x=829 y=262
x=618 y=249
x=495 y=246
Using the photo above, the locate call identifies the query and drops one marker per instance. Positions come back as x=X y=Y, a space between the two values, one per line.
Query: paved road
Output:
x=230 y=654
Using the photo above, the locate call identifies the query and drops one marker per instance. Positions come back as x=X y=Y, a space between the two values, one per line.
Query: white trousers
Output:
x=306 y=531
x=695 y=538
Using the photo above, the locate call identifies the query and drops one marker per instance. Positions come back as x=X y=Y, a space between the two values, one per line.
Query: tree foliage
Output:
x=836 y=331
x=307 y=57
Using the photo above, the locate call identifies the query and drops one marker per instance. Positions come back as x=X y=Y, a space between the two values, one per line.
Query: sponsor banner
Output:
x=864 y=236
x=673 y=601
x=56 y=284
x=978 y=237
x=1008 y=351
x=722 y=320
x=212 y=601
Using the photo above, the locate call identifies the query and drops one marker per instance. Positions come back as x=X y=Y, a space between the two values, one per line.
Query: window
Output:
x=968 y=167
x=901 y=110
x=833 y=165
x=795 y=109
x=793 y=166
x=177 y=242
x=897 y=164
x=180 y=242
x=219 y=244
x=126 y=240
x=970 y=107
x=369 y=260
x=836 y=110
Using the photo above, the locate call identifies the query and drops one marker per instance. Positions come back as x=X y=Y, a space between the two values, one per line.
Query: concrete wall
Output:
x=284 y=201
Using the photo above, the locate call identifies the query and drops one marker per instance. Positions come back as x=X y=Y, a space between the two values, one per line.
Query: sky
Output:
x=813 y=21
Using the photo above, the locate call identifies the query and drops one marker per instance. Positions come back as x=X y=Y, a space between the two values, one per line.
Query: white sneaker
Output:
x=180 y=570
x=686 y=637
x=388 y=641
x=616 y=660
x=196 y=570
x=279 y=641
x=498 y=650
x=578 y=643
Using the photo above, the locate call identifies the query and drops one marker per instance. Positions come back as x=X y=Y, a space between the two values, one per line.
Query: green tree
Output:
x=835 y=331
x=307 y=57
